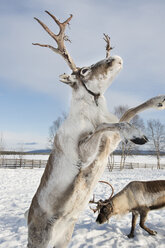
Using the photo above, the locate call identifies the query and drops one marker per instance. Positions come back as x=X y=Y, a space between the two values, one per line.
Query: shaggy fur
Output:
x=81 y=148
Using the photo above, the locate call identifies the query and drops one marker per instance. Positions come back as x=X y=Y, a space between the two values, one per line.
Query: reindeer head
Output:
x=94 y=79
x=105 y=208
x=105 y=213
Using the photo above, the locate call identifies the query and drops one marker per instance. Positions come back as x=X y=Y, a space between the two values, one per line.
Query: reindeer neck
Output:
x=84 y=108
x=120 y=203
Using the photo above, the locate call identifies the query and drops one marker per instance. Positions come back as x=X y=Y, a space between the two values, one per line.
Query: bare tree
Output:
x=111 y=162
x=54 y=127
x=2 y=145
x=21 y=154
x=127 y=147
x=156 y=134
x=120 y=110
x=2 y=148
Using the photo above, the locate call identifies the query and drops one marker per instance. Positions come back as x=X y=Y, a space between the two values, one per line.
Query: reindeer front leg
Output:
x=157 y=102
x=134 y=219
x=88 y=146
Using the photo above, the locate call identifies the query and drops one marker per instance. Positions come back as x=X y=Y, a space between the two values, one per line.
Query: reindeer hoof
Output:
x=140 y=141
x=153 y=233
x=130 y=236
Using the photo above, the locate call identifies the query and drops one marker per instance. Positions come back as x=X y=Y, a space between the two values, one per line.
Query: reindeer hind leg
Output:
x=143 y=217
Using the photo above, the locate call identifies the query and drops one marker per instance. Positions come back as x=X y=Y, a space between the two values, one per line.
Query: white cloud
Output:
x=18 y=141
x=137 y=34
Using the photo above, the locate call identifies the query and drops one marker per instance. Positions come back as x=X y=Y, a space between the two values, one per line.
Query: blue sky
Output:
x=31 y=96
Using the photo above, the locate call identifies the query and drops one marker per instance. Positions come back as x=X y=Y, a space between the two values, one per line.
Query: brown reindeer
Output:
x=137 y=197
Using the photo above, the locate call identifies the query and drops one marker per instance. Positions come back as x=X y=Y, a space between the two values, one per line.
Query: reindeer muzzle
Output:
x=101 y=219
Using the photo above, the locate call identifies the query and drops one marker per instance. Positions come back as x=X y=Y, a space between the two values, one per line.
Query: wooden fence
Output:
x=22 y=163
x=129 y=165
x=33 y=163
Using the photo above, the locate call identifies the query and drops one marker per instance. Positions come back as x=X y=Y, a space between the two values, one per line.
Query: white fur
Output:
x=84 y=117
x=78 y=142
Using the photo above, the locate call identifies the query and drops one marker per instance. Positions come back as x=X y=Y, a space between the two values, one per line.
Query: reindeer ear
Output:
x=68 y=79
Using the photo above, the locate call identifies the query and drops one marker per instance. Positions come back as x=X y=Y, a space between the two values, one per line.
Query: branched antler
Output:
x=111 y=188
x=59 y=38
x=101 y=203
x=108 y=46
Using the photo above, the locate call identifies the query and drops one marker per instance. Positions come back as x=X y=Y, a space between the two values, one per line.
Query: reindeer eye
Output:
x=83 y=71
x=105 y=210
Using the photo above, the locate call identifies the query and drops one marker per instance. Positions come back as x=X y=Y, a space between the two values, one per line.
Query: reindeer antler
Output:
x=111 y=188
x=101 y=203
x=108 y=46
x=59 y=38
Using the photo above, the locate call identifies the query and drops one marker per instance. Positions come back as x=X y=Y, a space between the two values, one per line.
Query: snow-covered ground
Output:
x=17 y=187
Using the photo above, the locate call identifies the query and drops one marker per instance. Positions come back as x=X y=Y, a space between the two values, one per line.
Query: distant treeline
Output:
x=47 y=152
x=138 y=152
x=44 y=152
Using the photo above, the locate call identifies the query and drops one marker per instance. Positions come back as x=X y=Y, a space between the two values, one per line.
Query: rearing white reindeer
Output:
x=81 y=147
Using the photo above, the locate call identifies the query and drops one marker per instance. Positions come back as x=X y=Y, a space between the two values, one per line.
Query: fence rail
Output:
x=33 y=163
x=22 y=163
x=130 y=165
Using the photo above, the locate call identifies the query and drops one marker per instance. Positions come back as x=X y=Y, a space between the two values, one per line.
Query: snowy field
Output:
x=17 y=187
